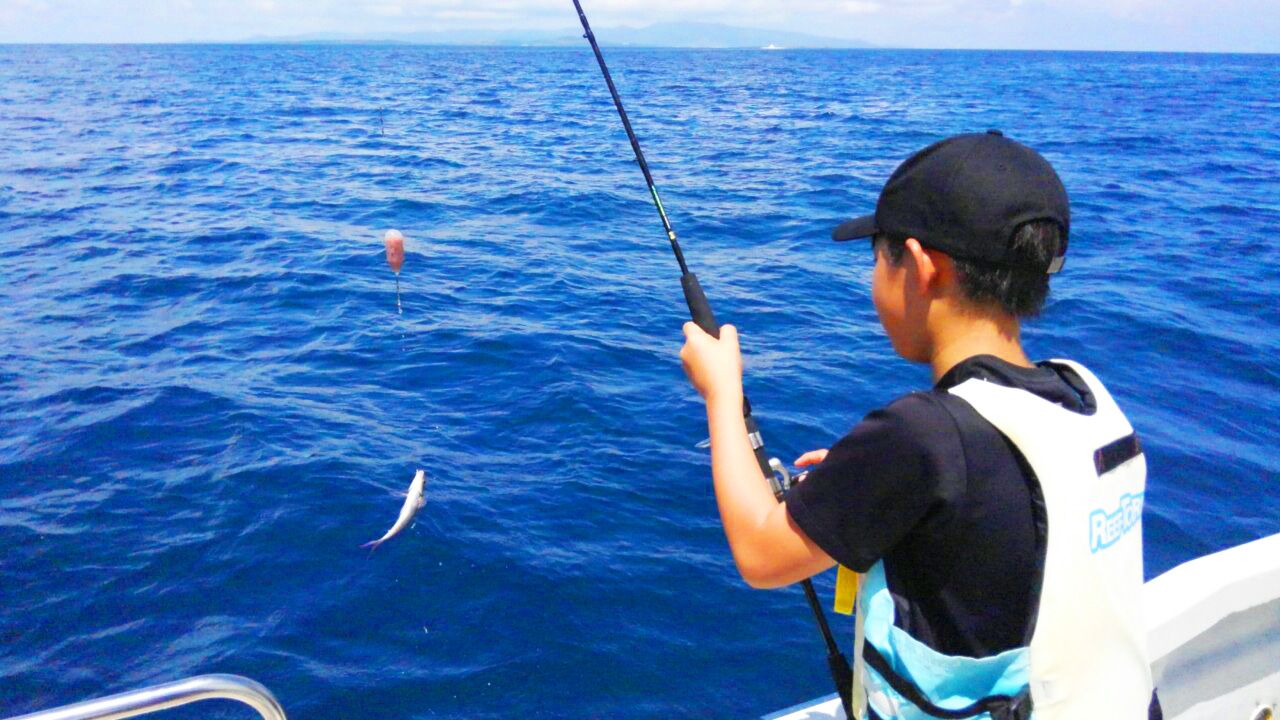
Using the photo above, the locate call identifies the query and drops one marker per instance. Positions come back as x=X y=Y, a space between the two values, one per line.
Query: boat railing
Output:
x=170 y=695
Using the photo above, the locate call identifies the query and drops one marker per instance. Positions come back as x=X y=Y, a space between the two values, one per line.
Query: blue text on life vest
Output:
x=1105 y=528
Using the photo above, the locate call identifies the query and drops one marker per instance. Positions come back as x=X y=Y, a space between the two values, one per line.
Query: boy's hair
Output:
x=1019 y=291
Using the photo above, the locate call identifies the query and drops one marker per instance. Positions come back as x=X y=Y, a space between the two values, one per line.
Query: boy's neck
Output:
x=959 y=338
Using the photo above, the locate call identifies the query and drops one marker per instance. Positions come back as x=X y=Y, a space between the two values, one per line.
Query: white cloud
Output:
x=858 y=7
x=1117 y=8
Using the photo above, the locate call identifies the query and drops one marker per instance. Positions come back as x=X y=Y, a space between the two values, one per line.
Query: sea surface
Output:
x=208 y=400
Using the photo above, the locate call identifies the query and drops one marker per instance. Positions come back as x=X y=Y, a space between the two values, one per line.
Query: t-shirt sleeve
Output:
x=878 y=482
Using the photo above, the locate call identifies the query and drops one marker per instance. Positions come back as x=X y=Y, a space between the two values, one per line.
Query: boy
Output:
x=994 y=520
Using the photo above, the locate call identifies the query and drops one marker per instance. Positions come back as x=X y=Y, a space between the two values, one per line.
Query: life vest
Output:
x=1087 y=655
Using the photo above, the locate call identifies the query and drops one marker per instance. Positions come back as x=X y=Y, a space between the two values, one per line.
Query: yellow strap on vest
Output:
x=846 y=589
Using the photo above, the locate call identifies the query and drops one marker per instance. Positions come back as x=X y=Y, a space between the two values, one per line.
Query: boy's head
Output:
x=974 y=224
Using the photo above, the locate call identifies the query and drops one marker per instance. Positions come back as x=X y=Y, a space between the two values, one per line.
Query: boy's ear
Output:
x=926 y=264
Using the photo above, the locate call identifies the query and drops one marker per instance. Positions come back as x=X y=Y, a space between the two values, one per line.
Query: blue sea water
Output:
x=208 y=400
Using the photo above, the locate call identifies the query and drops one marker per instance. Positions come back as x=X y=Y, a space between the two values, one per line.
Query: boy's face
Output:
x=899 y=304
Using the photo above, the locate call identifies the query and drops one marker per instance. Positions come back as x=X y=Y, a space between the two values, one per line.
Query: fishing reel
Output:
x=781 y=479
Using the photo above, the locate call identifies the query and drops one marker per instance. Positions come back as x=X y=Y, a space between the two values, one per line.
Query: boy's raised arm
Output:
x=769 y=549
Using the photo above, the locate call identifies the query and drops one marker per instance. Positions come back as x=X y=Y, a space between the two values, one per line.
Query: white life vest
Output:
x=1087 y=659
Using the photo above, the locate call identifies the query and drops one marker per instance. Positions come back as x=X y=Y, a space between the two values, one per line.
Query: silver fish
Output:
x=412 y=503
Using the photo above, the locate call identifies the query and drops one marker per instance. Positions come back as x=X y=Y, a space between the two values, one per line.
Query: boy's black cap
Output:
x=966 y=196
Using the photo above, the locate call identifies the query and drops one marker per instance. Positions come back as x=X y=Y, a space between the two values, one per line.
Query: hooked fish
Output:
x=412 y=503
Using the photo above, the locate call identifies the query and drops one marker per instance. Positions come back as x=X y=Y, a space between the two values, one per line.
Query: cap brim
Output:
x=855 y=229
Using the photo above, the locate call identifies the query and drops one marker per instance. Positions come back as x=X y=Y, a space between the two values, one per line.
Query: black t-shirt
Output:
x=949 y=504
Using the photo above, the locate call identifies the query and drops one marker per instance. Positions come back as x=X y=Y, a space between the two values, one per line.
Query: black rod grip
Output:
x=699 y=308
x=837 y=663
x=842 y=675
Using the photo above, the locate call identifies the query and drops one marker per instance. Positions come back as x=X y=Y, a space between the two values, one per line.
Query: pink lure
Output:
x=395 y=250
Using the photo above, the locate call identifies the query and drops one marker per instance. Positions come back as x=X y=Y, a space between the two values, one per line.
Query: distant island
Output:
x=674 y=35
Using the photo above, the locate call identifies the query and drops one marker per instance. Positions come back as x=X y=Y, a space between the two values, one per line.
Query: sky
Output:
x=1173 y=25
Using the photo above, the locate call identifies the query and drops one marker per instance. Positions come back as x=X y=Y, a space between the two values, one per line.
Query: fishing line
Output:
x=700 y=311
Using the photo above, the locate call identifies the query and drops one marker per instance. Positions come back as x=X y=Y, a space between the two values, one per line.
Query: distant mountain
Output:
x=712 y=35
x=680 y=35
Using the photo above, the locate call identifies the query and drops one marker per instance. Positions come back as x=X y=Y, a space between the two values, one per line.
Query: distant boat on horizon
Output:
x=771 y=46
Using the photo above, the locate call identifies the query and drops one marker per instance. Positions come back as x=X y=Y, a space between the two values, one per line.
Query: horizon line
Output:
x=546 y=46
x=620 y=45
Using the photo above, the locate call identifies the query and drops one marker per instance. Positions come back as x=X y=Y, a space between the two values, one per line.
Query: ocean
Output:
x=208 y=400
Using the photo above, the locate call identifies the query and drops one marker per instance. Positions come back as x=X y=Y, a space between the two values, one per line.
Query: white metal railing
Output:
x=170 y=695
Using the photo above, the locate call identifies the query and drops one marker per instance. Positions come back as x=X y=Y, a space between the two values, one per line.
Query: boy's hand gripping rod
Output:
x=700 y=310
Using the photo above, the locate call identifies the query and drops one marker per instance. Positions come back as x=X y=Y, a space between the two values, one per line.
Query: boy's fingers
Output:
x=693 y=332
x=813 y=457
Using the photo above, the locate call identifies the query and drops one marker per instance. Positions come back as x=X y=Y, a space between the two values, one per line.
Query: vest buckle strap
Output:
x=1017 y=707
x=999 y=707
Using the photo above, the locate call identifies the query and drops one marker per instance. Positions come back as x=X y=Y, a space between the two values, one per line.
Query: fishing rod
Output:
x=700 y=311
